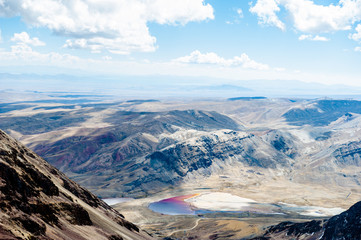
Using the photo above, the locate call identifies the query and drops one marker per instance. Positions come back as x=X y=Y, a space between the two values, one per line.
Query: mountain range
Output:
x=137 y=148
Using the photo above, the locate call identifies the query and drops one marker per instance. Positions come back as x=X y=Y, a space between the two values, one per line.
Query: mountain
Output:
x=224 y=87
x=245 y=98
x=201 y=156
x=116 y=148
x=39 y=202
x=138 y=148
x=344 y=226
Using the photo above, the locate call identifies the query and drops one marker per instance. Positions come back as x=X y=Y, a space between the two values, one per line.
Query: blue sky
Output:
x=312 y=41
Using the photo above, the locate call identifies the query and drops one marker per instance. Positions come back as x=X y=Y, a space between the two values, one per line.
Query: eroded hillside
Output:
x=39 y=202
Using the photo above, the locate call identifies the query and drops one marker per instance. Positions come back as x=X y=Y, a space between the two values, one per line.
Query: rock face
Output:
x=345 y=226
x=187 y=157
x=349 y=154
x=39 y=202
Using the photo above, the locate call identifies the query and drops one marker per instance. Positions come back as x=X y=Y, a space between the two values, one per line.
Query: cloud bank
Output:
x=244 y=61
x=24 y=38
x=118 y=26
x=307 y=16
x=313 y=38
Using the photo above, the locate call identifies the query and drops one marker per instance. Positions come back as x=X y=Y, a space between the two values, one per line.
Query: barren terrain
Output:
x=291 y=151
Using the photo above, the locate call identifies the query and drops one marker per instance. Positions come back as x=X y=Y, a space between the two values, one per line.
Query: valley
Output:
x=286 y=155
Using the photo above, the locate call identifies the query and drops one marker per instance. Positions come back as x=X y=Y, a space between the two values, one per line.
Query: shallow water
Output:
x=173 y=206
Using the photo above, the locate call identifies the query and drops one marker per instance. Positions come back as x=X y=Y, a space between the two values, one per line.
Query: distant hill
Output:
x=225 y=87
x=322 y=112
x=246 y=98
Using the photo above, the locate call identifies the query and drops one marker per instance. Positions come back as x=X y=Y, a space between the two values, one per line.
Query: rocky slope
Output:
x=117 y=148
x=39 y=202
x=127 y=135
x=345 y=226
x=201 y=155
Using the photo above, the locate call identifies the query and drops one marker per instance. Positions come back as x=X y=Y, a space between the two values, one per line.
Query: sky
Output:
x=307 y=40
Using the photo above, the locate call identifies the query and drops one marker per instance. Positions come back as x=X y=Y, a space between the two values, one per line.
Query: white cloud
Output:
x=212 y=58
x=175 y=11
x=240 y=13
x=266 y=11
x=357 y=49
x=304 y=37
x=313 y=38
x=236 y=19
x=320 y=38
x=356 y=36
x=24 y=54
x=83 y=44
x=24 y=38
x=198 y=57
x=246 y=62
x=119 y=26
x=308 y=16
x=33 y=61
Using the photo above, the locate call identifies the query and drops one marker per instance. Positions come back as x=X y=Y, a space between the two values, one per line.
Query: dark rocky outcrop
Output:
x=296 y=229
x=345 y=226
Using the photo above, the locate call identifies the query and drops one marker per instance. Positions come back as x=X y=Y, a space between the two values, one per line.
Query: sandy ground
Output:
x=218 y=201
